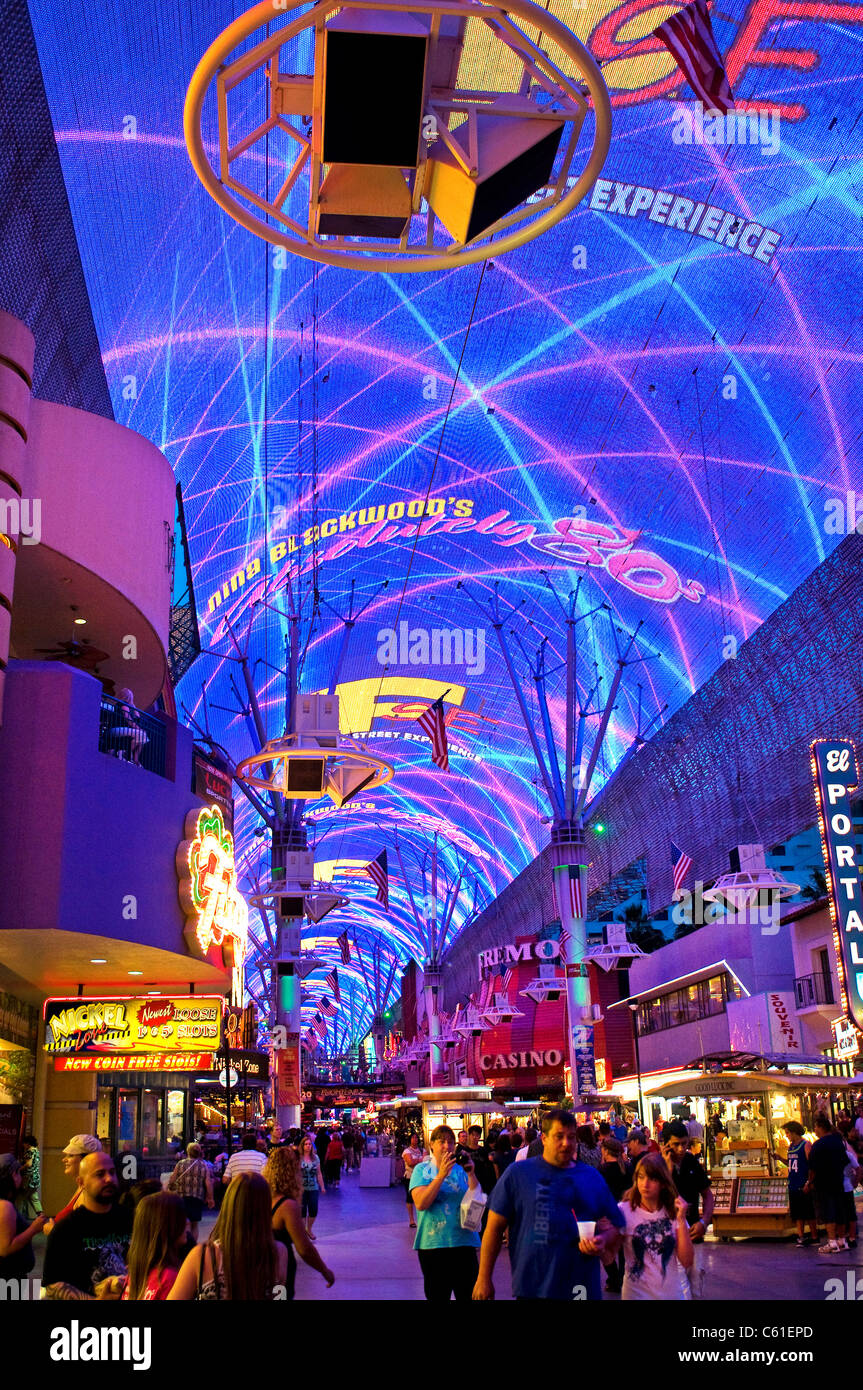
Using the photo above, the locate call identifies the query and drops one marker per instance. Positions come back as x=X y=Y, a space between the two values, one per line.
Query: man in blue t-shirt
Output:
x=540 y=1202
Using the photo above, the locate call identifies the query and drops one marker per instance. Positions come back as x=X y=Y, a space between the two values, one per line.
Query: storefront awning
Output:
x=750 y=1083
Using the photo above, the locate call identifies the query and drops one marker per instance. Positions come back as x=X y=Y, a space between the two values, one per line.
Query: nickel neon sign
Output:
x=834 y=765
x=217 y=913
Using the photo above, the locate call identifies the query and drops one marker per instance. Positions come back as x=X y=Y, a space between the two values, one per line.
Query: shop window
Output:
x=103 y=1118
x=151 y=1119
x=127 y=1120
x=714 y=995
x=676 y=1004
x=175 y=1126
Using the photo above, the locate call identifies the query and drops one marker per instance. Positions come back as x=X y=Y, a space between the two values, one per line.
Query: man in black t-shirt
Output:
x=690 y=1179
x=91 y=1244
x=828 y=1160
x=478 y=1155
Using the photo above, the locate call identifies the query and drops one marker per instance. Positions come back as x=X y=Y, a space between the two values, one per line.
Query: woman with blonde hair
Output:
x=241 y=1260
x=656 y=1244
x=284 y=1177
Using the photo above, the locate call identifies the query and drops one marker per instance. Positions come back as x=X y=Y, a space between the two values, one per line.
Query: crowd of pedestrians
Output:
x=569 y=1202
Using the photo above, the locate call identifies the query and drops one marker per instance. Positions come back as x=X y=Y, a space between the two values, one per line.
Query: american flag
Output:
x=431 y=721
x=680 y=866
x=328 y=1008
x=506 y=982
x=565 y=939
x=319 y=1026
x=333 y=982
x=688 y=36
x=377 y=872
x=573 y=885
x=344 y=947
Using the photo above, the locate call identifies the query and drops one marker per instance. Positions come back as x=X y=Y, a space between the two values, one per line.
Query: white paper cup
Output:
x=586 y=1230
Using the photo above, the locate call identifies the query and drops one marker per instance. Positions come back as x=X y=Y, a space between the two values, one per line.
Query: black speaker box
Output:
x=373 y=91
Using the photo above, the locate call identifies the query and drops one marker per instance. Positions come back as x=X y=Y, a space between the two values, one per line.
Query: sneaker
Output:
x=800 y=1242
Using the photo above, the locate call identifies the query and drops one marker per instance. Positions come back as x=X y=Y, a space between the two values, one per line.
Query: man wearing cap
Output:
x=77 y=1148
x=92 y=1242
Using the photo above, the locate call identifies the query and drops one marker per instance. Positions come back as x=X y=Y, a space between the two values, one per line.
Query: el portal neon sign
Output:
x=834 y=764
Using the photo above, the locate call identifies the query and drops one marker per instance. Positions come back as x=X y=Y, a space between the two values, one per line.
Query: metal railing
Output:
x=813 y=989
x=132 y=736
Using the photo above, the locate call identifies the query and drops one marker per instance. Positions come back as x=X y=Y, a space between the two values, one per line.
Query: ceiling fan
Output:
x=76 y=653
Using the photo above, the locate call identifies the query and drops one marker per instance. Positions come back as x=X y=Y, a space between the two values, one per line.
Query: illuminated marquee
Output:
x=581 y=541
x=165 y=1033
x=834 y=764
x=218 y=915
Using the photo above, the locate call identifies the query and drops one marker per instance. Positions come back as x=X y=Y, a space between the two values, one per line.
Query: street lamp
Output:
x=633 y=1009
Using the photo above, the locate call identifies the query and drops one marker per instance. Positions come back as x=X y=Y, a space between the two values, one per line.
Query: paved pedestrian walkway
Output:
x=364 y=1237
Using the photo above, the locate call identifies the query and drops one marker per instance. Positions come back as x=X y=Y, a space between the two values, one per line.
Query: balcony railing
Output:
x=810 y=990
x=132 y=736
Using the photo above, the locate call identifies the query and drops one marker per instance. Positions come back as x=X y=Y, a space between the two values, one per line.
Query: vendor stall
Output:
x=459 y=1107
x=742 y=1114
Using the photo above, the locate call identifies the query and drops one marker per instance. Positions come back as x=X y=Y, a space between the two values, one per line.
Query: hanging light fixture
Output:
x=500 y=1010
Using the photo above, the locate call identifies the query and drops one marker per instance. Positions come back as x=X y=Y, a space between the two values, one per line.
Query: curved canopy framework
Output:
x=652 y=404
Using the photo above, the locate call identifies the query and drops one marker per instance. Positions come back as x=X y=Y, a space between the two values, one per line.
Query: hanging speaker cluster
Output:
x=416 y=138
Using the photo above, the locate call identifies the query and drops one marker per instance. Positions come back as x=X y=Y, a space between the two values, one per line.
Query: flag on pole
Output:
x=328 y=1008
x=681 y=863
x=570 y=904
x=377 y=872
x=431 y=721
x=688 y=36
x=506 y=981
x=344 y=947
x=333 y=982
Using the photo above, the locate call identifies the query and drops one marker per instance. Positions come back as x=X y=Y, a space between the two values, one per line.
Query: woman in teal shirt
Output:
x=447 y=1253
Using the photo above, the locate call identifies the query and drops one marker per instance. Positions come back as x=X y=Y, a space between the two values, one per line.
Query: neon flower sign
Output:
x=217 y=912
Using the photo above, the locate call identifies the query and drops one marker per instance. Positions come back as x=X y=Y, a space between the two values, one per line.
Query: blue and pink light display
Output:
x=662 y=414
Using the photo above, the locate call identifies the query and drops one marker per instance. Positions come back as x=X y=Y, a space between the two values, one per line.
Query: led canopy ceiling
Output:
x=384 y=161
x=662 y=415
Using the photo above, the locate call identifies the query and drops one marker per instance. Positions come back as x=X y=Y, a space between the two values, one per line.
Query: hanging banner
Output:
x=834 y=765
x=288 y=1089
x=585 y=1066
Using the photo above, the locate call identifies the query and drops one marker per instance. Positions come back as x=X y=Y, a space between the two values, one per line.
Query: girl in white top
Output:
x=656 y=1244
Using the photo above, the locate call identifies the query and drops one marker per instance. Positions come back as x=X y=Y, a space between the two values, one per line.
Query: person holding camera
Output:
x=447 y=1253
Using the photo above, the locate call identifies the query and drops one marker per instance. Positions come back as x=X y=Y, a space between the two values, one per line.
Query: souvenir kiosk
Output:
x=743 y=1113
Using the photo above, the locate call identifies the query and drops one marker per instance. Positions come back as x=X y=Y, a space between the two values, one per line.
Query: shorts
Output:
x=801 y=1204
x=850 y=1216
x=311 y=1199
x=830 y=1207
x=194 y=1208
